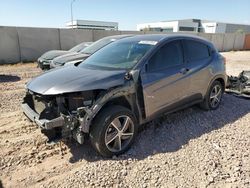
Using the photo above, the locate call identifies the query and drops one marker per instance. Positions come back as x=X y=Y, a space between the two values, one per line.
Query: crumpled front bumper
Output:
x=42 y=123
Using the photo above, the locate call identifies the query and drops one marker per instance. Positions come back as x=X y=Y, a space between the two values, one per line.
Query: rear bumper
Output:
x=42 y=123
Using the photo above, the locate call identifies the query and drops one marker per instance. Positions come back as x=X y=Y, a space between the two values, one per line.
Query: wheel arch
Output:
x=124 y=101
x=121 y=96
x=221 y=78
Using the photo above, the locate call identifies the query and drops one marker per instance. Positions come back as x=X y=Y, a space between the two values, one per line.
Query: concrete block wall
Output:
x=35 y=41
x=132 y=33
x=98 y=34
x=239 y=41
x=229 y=40
x=218 y=40
x=9 y=45
x=69 y=38
x=207 y=36
x=27 y=44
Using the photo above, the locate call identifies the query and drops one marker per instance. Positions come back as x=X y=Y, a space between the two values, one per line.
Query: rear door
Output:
x=197 y=59
x=164 y=82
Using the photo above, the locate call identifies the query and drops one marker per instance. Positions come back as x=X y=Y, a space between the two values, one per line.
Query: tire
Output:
x=104 y=133
x=208 y=102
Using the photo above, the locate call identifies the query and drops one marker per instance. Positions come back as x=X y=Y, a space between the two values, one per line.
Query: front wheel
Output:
x=113 y=131
x=213 y=97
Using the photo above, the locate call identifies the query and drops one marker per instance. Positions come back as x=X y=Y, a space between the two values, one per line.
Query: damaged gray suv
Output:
x=123 y=85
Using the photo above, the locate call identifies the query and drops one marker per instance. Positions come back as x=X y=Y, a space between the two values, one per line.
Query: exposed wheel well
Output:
x=120 y=101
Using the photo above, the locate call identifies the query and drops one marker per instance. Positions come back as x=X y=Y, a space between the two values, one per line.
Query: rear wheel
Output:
x=213 y=97
x=113 y=131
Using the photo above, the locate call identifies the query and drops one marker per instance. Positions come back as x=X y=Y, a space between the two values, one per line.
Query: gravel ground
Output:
x=189 y=148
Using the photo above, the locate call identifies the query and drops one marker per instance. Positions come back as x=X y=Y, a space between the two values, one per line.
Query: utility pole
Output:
x=72 y=12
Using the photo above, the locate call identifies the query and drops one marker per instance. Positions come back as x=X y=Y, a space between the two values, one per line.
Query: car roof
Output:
x=163 y=37
x=117 y=36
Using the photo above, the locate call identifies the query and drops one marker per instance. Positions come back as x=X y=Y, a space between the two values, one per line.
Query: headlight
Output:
x=47 y=62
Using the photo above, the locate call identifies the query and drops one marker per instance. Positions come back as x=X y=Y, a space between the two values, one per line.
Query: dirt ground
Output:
x=189 y=148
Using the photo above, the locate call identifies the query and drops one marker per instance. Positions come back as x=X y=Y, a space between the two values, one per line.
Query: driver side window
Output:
x=169 y=55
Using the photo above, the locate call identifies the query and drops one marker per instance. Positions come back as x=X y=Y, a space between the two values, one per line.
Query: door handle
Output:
x=184 y=70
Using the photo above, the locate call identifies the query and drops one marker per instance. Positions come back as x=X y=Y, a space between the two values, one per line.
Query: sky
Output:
x=129 y=13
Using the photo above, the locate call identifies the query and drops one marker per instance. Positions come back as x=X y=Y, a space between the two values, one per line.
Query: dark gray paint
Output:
x=160 y=89
x=73 y=79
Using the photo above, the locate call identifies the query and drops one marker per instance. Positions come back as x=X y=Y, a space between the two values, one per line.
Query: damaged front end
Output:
x=71 y=115
x=58 y=116
x=239 y=86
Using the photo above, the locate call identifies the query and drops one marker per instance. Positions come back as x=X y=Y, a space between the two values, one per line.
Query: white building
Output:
x=193 y=25
x=88 y=24
x=219 y=27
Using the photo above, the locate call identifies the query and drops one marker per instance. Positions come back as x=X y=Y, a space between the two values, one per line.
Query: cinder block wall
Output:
x=27 y=44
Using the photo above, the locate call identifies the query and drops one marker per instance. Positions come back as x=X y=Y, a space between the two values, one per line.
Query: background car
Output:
x=123 y=85
x=76 y=57
x=45 y=60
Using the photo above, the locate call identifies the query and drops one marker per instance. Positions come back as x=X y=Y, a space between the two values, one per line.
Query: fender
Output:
x=219 y=76
x=91 y=112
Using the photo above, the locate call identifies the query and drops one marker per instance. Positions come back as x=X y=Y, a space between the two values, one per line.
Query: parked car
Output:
x=45 y=60
x=123 y=85
x=77 y=57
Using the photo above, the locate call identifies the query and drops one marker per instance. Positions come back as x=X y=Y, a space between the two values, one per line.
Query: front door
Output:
x=164 y=81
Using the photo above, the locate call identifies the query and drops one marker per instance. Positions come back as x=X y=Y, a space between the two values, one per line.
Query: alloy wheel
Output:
x=119 y=133
x=215 y=96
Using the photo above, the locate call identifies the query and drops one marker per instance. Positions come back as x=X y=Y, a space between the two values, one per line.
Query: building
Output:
x=88 y=24
x=193 y=25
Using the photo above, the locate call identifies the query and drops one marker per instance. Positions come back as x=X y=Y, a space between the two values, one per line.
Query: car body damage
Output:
x=71 y=79
x=239 y=86
x=123 y=85
x=127 y=92
x=64 y=115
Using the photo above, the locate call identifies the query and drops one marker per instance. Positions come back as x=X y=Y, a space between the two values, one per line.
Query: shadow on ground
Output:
x=170 y=132
x=9 y=78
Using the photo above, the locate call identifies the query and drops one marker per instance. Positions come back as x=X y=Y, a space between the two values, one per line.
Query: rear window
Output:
x=196 y=50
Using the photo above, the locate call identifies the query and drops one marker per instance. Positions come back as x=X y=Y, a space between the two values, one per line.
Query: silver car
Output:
x=46 y=59
x=123 y=85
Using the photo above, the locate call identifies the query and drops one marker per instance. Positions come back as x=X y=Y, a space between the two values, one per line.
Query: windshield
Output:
x=79 y=47
x=97 y=45
x=118 y=55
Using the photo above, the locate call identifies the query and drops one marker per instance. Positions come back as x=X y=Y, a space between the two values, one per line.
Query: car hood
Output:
x=72 y=56
x=74 y=79
x=53 y=54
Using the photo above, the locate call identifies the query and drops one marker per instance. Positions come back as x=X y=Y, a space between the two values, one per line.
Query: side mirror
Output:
x=128 y=76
